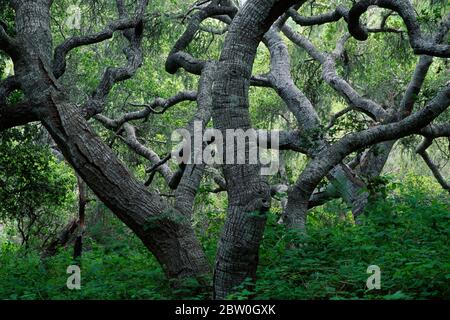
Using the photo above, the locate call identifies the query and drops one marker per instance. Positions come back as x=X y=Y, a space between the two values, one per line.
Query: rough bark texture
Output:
x=331 y=156
x=166 y=229
x=248 y=194
x=193 y=173
x=167 y=234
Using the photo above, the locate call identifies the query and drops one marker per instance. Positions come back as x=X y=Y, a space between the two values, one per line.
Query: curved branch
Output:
x=330 y=75
x=317 y=169
x=134 y=57
x=186 y=61
x=150 y=108
x=132 y=141
x=422 y=151
x=419 y=43
x=8 y=44
x=281 y=80
x=333 y=16
x=420 y=73
x=61 y=51
x=177 y=57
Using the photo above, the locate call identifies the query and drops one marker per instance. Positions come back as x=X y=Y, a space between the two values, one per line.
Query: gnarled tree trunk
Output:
x=248 y=194
x=162 y=229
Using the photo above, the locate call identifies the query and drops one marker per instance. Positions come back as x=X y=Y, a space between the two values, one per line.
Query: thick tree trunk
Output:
x=248 y=194
x=162 y=229
x=167 y=233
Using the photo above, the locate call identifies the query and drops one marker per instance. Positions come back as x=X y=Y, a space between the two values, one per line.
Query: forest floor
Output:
x=405 y=235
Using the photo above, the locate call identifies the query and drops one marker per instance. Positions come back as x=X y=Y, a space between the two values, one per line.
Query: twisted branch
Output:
x=419 y=43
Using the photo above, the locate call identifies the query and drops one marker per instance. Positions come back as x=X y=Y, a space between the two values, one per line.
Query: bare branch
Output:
x=131 y=139
x=420 y=73
x=334 y=154
x=333 y=16
x=384 y=30
x=419 y=43
x=436 y=131
x=331 y=156
x=8 y=44
x=287 y=140
x=61 y=51
x=260 y=81
x=214 y=30
x=319 y=198
x=134 y=57
x=150 y=108
x=281 y=80
x=415 y=85
x=17 y=115
x=422 y=151
x=132 y=142
x=186 y=61
x=177 y=57
x=330 y=75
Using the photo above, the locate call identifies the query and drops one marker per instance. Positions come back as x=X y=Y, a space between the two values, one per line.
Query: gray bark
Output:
x=248 y=194
x=331 y=156
x=190 y=182
x=162 y=229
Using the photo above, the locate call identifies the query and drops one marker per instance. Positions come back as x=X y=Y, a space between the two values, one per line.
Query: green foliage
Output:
x=36 y=192
x=122 y=274
x=405 y=232
x=406 y=235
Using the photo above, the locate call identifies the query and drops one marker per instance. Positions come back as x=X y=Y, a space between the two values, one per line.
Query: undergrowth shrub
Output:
x=405 y=234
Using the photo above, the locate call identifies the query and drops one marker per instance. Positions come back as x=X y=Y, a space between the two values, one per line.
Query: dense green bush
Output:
x=36 y=191
x=405 y=234
x=125 y=274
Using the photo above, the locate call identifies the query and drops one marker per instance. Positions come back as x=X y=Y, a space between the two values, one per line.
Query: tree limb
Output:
x=333 y=16
x=150 y=108
x=8 y=44
x=422 y=151
x=330 y=75
x=134 y=57
x=61 y=51
x=419 y=43
x=178 y=58
x=17 y=115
